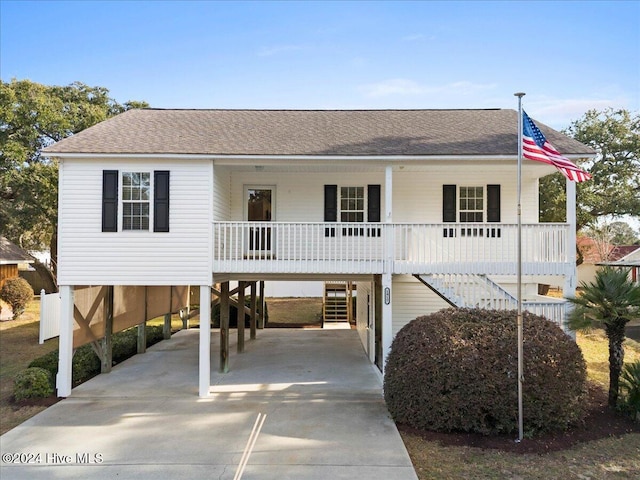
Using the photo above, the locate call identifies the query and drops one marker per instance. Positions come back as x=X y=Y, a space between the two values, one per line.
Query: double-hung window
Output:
x=136 y=194
x=352 y=204
x=471 y=204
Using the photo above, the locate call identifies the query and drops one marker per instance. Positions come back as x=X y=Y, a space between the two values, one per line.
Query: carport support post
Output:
x=240 y=317
x=224 y=327
x=254 y=306
x=166 y=326
x=142 y=328
x=63 y=378
x=204 y=372
x=262 y=308
x=387 y=326
x=107 y=346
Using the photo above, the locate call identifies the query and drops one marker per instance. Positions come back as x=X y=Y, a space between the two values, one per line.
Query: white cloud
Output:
x=560 y=112
x=404 y=87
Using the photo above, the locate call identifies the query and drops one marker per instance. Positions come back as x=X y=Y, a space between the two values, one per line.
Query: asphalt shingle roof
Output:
x=309 y=132
x=11 y=253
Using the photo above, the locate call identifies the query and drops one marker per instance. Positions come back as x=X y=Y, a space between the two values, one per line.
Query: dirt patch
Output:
x=34 y=402
x=600 y=422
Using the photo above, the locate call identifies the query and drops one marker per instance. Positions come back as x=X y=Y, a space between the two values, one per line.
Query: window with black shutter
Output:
x=468 y=203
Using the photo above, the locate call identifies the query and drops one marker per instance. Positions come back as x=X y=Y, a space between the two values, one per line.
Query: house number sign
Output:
x=387 y=295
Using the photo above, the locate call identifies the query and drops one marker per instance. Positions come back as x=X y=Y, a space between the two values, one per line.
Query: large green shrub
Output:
x=86 y=363
x=456 y=370
x=16 y=292
x=630 y=389
x=32 y=383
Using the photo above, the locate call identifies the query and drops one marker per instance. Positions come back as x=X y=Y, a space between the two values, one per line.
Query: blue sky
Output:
x=568 y=57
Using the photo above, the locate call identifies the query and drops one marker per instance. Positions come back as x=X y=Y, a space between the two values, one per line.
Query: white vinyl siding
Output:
x=300 y=196
x=364 y=313
x=412 y=299
x=88 y=256
x=221 y=196
x=417 y=195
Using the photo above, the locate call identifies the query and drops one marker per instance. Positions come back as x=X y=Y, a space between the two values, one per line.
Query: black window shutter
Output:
x=330 y=208
x=373 y=207
x=330 y=203
x=449 y=203
x=161 y=201
x=110 y=200
x=493 y=203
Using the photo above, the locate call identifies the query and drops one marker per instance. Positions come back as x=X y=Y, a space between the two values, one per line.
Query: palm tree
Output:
x=610 y=301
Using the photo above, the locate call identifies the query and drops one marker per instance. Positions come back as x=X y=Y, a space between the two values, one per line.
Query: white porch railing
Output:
x=480 y=248
x=367 y=248
x=278 y=247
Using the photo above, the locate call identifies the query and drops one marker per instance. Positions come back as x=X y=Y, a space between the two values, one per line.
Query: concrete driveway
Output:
x=325 y=417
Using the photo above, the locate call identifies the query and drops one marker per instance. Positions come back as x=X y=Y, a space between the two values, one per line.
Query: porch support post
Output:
x=388 y=193
x=240 y=317
x=387 y=330
x=570 y=278
x=205 y=341
x=387 y=325
x=254 y=307
x=224 y=327
x=63 y=378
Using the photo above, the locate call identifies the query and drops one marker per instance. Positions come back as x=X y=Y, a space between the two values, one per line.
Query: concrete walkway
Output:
x=325 y=416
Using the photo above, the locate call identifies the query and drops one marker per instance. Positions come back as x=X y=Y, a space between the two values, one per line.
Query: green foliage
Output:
x=630 y=389
x=610 y=301
x=33 y=116
x=86 y=363
x=32 y=383
x=16 y=292
x=233 y=314
x=614 y=189
x=456 y=370
x=49 y=362
x=622 y=233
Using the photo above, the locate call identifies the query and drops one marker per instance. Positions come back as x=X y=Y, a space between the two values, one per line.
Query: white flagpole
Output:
x=519 y=317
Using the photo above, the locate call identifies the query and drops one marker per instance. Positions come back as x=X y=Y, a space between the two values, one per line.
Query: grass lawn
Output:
x=18 y=347
x=300 y=311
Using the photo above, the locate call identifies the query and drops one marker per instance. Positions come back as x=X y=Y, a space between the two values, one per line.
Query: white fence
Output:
x=49 y=315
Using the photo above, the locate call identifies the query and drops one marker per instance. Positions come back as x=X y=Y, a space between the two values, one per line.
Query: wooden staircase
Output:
x=336 y=302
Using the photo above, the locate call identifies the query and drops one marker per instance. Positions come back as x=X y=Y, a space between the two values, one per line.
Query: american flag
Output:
x=535 y=147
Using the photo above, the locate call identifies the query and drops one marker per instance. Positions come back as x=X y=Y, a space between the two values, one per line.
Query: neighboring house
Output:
x=418 y=207
x=596 y=253
x=12 y=260
x=628 y=256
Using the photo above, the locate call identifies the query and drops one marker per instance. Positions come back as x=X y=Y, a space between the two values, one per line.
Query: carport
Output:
x=324 y=415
